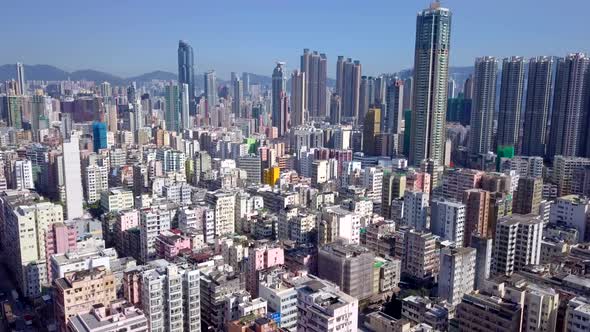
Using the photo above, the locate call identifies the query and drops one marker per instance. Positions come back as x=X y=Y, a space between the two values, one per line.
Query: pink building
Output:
x=127 y=219
x=170 y=243
x=262 y=255
x=59 y=239
x=418 y=181
x=117 y=316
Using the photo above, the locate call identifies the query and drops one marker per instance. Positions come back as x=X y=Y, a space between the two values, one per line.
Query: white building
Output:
x=373 y=182
x=281 y=298
x=447 y=220
x=23 y=175
x=517 y=243
x=96 y=180
x=172 y=160
x=171 y=297
x=151 y=223
x=324 y=308
x=116 y=199
x=571 y=211
x=72 y=177
x=224 y=205
x=577 y=315
x=415 y=212
x=457 y=274
x=342 y=223
x=25 y=226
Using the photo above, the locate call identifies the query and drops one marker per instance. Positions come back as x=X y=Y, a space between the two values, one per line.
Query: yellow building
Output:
x=78 y=291
x=271 y=175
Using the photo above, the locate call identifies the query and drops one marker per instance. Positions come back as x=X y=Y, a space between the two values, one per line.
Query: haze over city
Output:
x=129 y=38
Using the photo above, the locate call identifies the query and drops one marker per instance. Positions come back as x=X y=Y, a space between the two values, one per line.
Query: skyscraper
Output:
x=371 y=128
x=72 y=177
x=568 y=131
x=536 y=111
x=394 y=101
x=350 y=83
x=511 y=93
x=246 y=83
x=315 y=67
x=279 y=89
x=340 y=75
x=364 y=96
x=20 y=79
x=335 y=109
x=186 y=72
x=99 y=135
x=184 y=107
x=172 y=107
x=298 y=98
x=431 y=71
x=484 y=103
x=210 y=90
x=238 y=87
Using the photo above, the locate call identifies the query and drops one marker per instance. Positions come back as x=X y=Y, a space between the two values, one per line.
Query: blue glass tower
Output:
x=186 y=72
x=99 y=134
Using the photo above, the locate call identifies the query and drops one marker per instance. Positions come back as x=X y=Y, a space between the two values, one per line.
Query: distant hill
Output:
x=51 y=73
x=154 y=75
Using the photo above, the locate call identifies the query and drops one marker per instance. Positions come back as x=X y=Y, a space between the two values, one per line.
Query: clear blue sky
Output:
x=129 y=37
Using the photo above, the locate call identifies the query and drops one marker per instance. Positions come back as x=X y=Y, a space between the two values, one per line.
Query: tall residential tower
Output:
x=431 y=74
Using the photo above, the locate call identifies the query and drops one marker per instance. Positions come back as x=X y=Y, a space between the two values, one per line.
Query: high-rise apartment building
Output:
x=528 y=196
x=315 y=67
x=152 y=222
x=571 y=211
x=415 y=211
x=563 y=172
x=170 y=296
x=483 y=258
x=393 y=122
x=298 y=98
x=447 y=220
x=348 y=266
x=22 y=175
x=348 y=84
x=477 y=210
x=26 y=224
x=568 y=130
x=186 y=72
x=323 y=308
x=517 y=243
x=184 y=120
x=420 y=257
x=484 y=104
x=371 y=128
x=536 y=113
x=210 y=91
x=171 y=94
x=457 y=274
x=77 y=293
x=238 y=90
x=224 y=204
x=431 y=73
x=279 y=91
x=511 y=94
x=21 y=87
x=72 y=177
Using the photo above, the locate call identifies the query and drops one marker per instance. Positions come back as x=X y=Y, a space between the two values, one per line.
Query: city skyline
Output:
x=382 y=39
